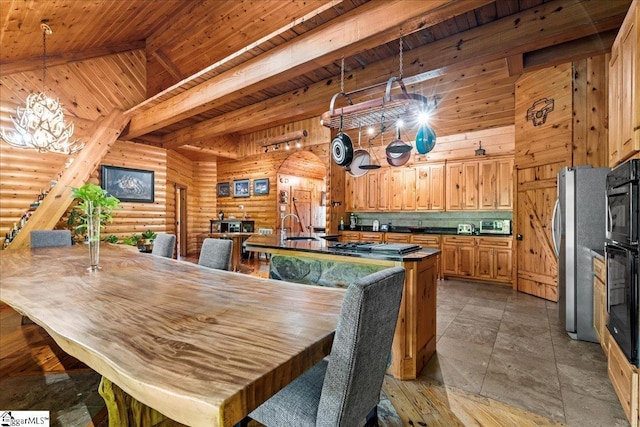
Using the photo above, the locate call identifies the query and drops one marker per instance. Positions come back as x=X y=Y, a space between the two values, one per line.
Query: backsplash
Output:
x=428 y=219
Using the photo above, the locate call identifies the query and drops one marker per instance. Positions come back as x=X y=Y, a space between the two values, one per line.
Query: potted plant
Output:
x=146 y=242
x=96 y=207
x=111 y=239
x=132 y=240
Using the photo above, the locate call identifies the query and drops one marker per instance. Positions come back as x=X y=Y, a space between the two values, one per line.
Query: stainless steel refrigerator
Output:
x=578 y=226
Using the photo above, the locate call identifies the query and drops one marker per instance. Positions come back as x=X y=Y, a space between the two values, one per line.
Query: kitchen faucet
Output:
x=283 y=233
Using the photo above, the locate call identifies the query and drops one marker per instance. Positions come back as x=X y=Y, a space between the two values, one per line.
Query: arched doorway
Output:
x=301 y=190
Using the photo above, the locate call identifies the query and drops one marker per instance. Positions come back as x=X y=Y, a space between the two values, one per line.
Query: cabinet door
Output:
x=371 y=237
x=360 y=193
x=615 y=103
x=597 y=308
x=485 y=263
x=349 y=236
x=629 y=55
x=470 y=185
x=450 y=260
x=503 y=264
x=488 y=188
x=437 y=188
x=504 y=184
x=454 y=184
x=397 y=188
x=383 y=189
x=372 y=190
x=349 y=192
x=397 y=238
x=466 y=264
x=409 y=189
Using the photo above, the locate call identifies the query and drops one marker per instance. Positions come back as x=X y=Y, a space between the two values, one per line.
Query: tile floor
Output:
x=511 y=347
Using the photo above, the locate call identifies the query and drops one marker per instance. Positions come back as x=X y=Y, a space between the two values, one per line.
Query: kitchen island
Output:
x=316 y=261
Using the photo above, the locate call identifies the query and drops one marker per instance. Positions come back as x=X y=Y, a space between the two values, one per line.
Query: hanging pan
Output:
x=397 y=153
x=360 y=160
x=342 y=148
x=425 y=139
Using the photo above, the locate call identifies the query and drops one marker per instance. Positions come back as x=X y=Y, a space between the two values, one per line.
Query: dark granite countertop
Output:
x=422 y=230
x=317 y=244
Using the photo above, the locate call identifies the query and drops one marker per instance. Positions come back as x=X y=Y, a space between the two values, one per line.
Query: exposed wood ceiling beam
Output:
x=348 y=34
x=32 y=64
x=515 y=64
x=569 y=51
x=167 y=64
x=315 y=98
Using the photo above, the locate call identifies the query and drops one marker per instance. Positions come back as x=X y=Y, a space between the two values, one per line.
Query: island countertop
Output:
x=315 y=243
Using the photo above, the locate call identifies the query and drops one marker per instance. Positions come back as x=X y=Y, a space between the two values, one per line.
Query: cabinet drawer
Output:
x=371 y=237
x=598 y=269
x=397 y=237
x=458 y=240
x=624 y=378
x=429 y=241
x=349 y=236
x=495 y=242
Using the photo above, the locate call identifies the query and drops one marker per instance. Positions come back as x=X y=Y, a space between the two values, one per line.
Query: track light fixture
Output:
x=286 y=140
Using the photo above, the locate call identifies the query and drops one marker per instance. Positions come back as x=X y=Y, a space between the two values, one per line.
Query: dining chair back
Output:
x=164 y=245
x=344 y=389
x=50 y=238
x=216 y=253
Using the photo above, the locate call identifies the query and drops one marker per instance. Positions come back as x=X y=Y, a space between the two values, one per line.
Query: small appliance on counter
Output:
x=466 y=229
x=353 y=221
x=495 y=226
x=376 y=225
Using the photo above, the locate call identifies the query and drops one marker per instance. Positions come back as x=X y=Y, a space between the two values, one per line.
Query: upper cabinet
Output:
x=403 y=189
x=624 y=90
x=430 y=187
x=485 y=185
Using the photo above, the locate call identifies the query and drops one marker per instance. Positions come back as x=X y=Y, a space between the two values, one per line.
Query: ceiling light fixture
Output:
x=286 y=139
x=40 y=123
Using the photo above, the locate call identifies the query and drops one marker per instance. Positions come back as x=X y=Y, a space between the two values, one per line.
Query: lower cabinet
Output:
x=397 y=238
x=431 y=241
x=484 y=258
x=624 y=378
x=600 y=300
x=458 y=256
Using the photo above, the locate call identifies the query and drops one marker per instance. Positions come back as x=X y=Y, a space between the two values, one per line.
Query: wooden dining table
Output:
x=203 y=347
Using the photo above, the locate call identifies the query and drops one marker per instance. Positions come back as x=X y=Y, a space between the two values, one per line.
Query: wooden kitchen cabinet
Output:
x=624 y=378
x=624 y=90
x=430 y=194
x=458 y=256
x=397 y=238
x=495 y=184
x=599 y=300
x=431 y=241
x=349 y=236
x=461 y=186
x=402 y=193
x=378 y=189
x=356 y=193
x=372 y=236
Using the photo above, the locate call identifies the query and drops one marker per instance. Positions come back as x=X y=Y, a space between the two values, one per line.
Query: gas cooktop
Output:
x=387 y=248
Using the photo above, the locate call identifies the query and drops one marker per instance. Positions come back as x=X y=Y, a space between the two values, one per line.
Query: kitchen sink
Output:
x=301 y=238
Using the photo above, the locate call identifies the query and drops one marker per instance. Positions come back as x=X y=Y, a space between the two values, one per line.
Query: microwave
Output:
x=499 y=226
x=622 y=219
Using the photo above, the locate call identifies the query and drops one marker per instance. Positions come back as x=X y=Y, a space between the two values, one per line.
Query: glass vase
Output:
x=93 y=236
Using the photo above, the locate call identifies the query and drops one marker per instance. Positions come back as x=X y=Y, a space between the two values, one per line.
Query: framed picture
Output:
x=261 y=186
x=241 y=188
x=128 y=185
x=223 y=189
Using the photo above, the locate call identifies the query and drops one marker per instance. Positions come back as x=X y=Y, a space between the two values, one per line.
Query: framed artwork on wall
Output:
x=261 y=186
x=128 y=185
x=224 y=190
x=241 y=188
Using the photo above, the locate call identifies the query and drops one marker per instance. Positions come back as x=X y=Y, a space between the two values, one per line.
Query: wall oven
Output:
x=622 y=297
x=621 y=254
x=622 y=203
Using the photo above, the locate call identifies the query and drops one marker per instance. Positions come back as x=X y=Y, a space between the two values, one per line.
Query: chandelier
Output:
x=40 y=123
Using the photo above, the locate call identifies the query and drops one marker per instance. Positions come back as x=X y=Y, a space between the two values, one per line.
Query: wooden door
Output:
x=301 y=200
x=181 y=221
x=536 y=259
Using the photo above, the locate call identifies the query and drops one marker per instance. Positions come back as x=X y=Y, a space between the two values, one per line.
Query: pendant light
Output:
x=40 y=123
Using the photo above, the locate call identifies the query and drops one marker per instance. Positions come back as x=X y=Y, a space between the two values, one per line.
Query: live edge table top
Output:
x=202 y=346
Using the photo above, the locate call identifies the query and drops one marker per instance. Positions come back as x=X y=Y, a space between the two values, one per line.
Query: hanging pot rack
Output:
x=377 y=112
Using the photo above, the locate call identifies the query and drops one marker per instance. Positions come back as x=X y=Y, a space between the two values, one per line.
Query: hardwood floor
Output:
x=31 y=362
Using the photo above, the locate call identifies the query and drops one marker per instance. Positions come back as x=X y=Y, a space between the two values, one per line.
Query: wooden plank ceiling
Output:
x=197 y=74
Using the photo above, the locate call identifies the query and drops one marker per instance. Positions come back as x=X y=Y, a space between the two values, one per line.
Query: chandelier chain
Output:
x=44 y=58
x=400 y=49
x=342 y=75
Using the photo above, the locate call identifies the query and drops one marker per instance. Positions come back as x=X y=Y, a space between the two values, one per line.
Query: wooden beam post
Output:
x=56 y=203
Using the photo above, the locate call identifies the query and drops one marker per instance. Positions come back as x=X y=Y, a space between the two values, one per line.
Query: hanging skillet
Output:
x=342 y=148
x=360 y=161
x=396 y=155
x=398 y=146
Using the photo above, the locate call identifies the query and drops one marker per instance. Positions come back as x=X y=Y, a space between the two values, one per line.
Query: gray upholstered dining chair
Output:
x=50 y=238
x=344 y=389
x=164 y=245
x=216 y=253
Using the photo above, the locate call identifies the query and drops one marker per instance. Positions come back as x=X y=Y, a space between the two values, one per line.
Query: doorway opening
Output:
x=181 y=220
